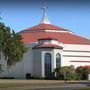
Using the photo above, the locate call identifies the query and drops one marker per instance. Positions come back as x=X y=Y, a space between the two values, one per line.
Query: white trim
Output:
x=56 y=31
x=59 y=31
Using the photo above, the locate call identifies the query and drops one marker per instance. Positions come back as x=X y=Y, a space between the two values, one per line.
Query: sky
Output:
x=73 y=15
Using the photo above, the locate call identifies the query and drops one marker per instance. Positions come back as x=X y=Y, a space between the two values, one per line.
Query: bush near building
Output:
x=82 y=72
x=70 y=73
x=65 y=73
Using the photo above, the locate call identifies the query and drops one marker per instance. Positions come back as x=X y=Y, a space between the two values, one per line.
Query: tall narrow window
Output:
x=58 y=60
x=1 y=69
x=47 y=65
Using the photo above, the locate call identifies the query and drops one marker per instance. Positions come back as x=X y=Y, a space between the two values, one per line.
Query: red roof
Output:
x=44 y=26
x=48 y=46
x=66 y=38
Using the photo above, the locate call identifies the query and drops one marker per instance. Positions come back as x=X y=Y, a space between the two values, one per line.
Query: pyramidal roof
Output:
x=44 y=24
x=45 y=29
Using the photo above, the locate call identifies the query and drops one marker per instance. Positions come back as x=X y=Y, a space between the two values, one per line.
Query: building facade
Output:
x=49 y=46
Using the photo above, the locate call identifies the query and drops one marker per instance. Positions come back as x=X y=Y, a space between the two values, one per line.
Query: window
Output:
x=58 y=60
x=1 y=68
x=47 y=65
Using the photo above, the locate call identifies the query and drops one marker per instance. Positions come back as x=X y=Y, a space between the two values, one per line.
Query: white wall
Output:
x=88 y=76
x=22 y=67
x=69 y=53
x=77 y=55
x=76 y=47
x=55 y=51
x=37 y=63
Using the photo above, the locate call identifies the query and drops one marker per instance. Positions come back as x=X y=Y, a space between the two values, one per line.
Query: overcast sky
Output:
x=70 y=14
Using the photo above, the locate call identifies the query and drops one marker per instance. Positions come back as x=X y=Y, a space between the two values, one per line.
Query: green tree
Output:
x=11 y=46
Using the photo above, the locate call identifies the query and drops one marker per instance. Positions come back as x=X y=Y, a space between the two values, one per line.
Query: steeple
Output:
x=45 y=18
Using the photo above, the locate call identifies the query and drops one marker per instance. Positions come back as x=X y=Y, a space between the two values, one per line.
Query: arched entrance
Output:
x=48 y=65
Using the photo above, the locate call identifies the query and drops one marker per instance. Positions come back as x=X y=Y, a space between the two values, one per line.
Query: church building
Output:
x=49 y=46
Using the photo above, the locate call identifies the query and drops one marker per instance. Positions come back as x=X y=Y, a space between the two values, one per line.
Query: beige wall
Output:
x=76 y=55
